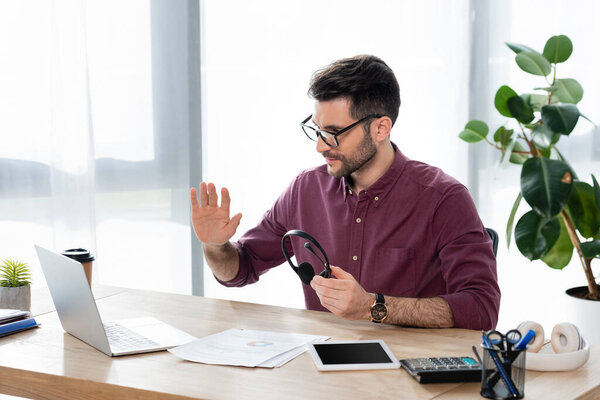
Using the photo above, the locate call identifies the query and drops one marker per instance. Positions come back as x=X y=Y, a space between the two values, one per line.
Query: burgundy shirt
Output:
x=413 y=233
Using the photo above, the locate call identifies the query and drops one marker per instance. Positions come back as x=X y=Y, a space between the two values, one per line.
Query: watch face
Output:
x=378 y=312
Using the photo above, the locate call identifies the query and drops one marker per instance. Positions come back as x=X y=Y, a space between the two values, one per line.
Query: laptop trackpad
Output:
x=157 y=331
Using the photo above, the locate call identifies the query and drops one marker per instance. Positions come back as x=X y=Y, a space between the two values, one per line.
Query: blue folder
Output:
x=17 y=326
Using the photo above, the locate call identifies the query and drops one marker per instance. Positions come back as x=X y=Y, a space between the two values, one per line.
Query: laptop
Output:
x=79 y=315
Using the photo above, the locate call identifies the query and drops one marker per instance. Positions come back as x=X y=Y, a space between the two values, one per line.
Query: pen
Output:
x=509 y=383
x=477 y=355
x=522 y=345
x=494 y=377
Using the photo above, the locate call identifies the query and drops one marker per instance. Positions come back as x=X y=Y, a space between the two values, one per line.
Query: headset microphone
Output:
x=308 y=247
x=305 y=270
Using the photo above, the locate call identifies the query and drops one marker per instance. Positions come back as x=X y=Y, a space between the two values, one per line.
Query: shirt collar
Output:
x=378 y=191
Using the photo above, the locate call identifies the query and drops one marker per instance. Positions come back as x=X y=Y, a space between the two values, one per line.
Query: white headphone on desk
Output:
x=565 y=338
x=570 y=348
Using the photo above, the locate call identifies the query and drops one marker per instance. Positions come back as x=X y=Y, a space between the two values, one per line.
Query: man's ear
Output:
x=381 y=129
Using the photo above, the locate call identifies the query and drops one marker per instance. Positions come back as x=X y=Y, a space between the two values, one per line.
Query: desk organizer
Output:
x=503 y=375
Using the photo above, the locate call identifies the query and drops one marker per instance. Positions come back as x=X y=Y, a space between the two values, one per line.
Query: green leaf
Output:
x=516 y=158
x=503 y=135
x=537 y=101
x=596 y=191
x=535 y=235
x=590 y=249
x=511 y=219
x=14 y=273
x=561 y=118
x=546 y=185
x=568 y=91
x=583 y=116
x=517 y=48
x=502 y=95
x=558 y=49
x=520 y=109
x=507 y=152
x=547 y=89
x=475 y=131
x=563 y=159
x=534 y=63
x=583 y=209
x=542 y=136
x=555 y=140
x=548 y=152
x=560 y=254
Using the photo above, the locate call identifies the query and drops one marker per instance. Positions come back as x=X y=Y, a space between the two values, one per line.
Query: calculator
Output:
x=443 y=369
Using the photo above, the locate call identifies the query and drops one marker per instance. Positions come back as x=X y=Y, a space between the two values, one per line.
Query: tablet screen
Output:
x=351 y=353
x=348 y=355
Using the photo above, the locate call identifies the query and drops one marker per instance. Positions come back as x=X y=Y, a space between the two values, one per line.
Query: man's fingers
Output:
x=194 y=198
x=203 y=195
x=332 y=303
x=235 y=221
x=329 y=288
x=328 y=283
x=213 y=199
x=340 y=273
x=225 y=200
x=331 y=307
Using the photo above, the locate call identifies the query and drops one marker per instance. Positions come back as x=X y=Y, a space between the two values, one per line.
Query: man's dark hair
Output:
x=365 y=80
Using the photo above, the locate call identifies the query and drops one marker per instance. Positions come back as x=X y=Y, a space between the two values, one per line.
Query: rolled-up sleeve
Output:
x=259 y=248
x=468 y=263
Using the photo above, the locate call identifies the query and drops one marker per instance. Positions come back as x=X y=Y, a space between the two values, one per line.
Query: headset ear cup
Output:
x=538 y=341
x=306 y=272
x=566 y=338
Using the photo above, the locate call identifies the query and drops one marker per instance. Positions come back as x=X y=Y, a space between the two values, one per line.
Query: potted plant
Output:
x=15 y=281
x=565 y=210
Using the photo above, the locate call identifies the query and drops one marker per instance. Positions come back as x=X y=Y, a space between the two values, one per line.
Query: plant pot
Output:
x=18 y=298
x=584 y=313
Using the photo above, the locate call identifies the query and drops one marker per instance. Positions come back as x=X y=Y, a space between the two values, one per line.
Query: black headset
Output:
x=305 y=271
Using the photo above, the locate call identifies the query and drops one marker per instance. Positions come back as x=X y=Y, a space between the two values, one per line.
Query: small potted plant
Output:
x=564 y=215
x=15 y=285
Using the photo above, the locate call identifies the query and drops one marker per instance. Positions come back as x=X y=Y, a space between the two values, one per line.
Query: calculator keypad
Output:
x=443 y=369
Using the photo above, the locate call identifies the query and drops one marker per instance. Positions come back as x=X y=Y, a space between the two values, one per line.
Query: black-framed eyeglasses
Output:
x=330 y=138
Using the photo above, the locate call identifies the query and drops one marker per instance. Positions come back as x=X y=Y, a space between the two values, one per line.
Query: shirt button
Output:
x=376 y=198
x=350 y=191
x=354 y=258
x=358 y=220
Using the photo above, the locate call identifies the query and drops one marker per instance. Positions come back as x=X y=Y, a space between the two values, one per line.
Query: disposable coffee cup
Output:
x=85 y=258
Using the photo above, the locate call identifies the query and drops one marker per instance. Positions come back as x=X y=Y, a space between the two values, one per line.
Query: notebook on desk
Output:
x=79 y=314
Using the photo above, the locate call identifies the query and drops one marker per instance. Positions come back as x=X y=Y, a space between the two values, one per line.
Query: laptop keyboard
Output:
x=123 y=338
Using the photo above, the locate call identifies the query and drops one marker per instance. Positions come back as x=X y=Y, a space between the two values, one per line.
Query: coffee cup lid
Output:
x=81 y=255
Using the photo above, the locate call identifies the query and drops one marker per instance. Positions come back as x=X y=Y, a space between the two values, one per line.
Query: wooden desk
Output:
x=47 y=363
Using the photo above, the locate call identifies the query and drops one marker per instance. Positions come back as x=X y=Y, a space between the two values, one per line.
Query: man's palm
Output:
x=210 y=221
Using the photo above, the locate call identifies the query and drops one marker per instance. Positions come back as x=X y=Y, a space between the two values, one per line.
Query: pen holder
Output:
x=508 y=383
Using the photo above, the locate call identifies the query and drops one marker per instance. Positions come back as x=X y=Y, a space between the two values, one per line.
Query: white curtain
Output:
x=85 y=154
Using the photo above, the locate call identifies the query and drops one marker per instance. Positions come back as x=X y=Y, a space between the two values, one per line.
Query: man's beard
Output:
x=365 y=152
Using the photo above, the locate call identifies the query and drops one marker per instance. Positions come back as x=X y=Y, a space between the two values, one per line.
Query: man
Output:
x=409 y=243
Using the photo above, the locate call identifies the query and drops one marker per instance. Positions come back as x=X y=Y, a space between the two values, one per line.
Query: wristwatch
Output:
x=379 y=311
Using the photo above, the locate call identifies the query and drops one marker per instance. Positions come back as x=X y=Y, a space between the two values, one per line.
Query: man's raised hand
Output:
x=210 y=221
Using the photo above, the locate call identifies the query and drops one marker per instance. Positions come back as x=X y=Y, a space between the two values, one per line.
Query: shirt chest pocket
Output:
x=395 y=273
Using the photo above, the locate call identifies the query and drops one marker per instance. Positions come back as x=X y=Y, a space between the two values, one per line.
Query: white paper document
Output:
x=9 y=315
x=247 y=348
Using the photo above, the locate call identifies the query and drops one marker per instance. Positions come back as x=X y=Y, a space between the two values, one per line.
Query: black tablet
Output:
x=352 y=355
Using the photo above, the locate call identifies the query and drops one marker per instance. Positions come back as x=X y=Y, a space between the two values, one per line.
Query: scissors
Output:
x=504 y=342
